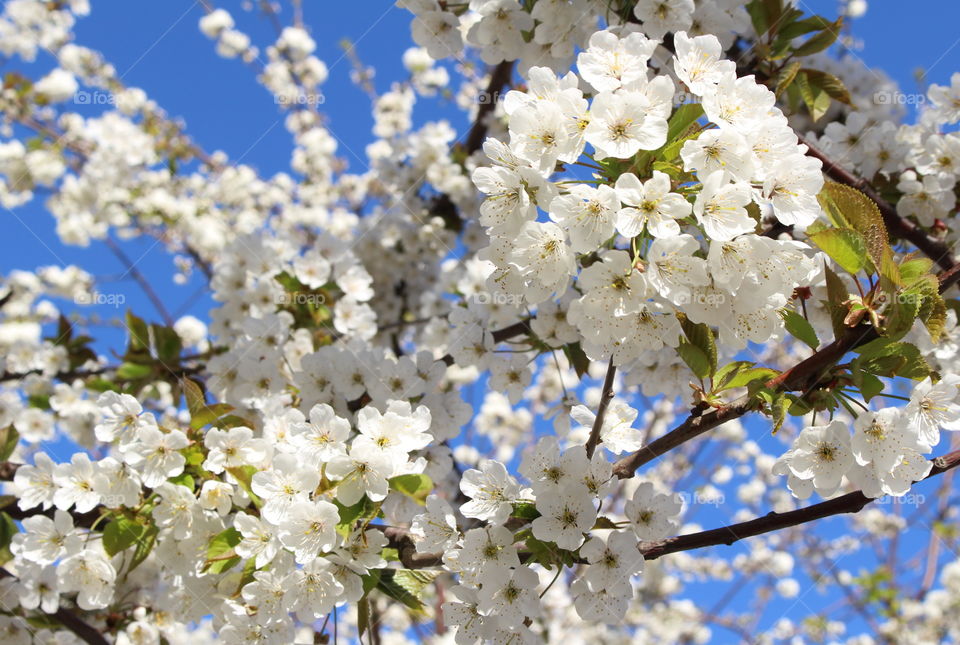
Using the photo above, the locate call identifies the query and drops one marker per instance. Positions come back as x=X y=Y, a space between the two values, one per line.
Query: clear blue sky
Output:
x=156 y=45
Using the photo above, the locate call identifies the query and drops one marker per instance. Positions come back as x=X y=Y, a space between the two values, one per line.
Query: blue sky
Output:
x=157 y=46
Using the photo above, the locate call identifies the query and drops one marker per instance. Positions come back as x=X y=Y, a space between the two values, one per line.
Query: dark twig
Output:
x=605 y=397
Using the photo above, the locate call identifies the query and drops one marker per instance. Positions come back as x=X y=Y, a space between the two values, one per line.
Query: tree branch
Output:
x=802 y=376
x=897 y=226
x=499 y=78
x=725 y=535
x=510 y=331
x=849 y=503
x=605 y=397
x=140 y=279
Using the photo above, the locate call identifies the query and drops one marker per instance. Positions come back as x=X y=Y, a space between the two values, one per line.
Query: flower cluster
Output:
x=467 y=388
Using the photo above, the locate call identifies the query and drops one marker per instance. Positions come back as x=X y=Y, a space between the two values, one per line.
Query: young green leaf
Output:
x=798 y=327
x=845 y=246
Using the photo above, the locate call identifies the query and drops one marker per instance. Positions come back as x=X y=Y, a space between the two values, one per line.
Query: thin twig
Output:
x=140 y=279
x=606 y=396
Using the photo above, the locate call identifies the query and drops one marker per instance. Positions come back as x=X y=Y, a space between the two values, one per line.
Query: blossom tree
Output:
x=689 y=252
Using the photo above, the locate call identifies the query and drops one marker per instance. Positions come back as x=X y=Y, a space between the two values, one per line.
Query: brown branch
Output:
x=606 y=396
x=400 y=540
x=693 y=426
x=499 y=78
x=849 y=503
x=511 y=331
x=725 y=535
x=802 y=376
x=897 y=226
x=69 y=375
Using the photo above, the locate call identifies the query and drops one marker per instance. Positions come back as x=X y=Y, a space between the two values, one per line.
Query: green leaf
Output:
x=167 y=344
x=741 y=374
x=414 y=485
x=525 y=511
x=728 y=371
x=894 y=359
x=232 y=421
x=548 y=554
x=821 y=41
x=362 y=510
x=899 y=316
x=912 y=268
x=209 y=415
x=577 y=358
x=798 y=327
x=798 y=407
x=803 y=27
x=833 y=86
x=837 y=294
x=194 y=396
x=604 y=523
x=246 y=574
x=701 y=337
x=370 y=580
x=139 y=341
x=8 y=528
x=869 y=385
x=133 y=371
x=765 y=15
x=683 y=117
x=220 y=553
x=695 y=358
x=194 y=454
x=786 y=76
x=144 y=545
x=681 y=128
x=816 y=98
x=9 y=437
x=936 y=320
x=122 y=533
x=391 y=587
x=244 y=475
x=183 y=479
x=415 y=580
x=363 y=618
x=847 y=207
x=778 y=412
x=845 y=246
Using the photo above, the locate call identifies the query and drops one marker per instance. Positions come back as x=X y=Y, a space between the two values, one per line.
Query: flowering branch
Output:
x=897 y=226
x=802 y=376
x=84 y=631
x=849 y=503
x=724 y=535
